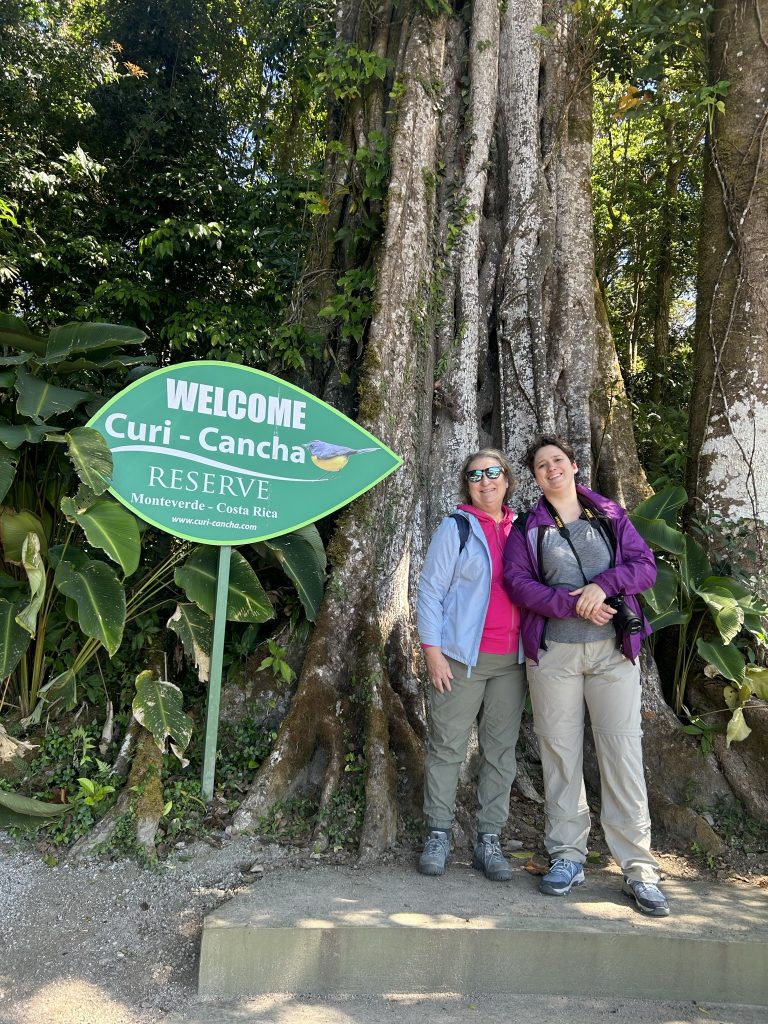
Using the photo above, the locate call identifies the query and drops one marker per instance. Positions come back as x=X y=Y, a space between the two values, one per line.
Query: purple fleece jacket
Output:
x=634 y=572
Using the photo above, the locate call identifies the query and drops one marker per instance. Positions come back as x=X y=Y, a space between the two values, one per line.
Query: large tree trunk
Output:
x=728 y=469
x=728 y=466
x=484 y=329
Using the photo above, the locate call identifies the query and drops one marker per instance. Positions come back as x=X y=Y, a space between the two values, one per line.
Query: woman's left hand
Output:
x=591 y=604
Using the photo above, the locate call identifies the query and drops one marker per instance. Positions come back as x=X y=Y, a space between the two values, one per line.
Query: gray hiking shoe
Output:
x=489 y=859
x=434 y=857
x=648 y=897
x=562 y=876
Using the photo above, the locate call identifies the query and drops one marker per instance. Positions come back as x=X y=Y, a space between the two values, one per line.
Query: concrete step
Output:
x=344 y=930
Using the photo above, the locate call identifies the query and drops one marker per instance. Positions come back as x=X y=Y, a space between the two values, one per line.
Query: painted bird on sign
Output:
x=333 y=457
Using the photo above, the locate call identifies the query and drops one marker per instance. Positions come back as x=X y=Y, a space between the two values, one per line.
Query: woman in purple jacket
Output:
x=574 y=569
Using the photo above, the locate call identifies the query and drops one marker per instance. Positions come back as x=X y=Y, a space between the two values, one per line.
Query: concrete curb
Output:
x=342 y=930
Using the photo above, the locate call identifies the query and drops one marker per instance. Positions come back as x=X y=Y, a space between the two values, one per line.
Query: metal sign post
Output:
x=214 y=685
x=222 y=454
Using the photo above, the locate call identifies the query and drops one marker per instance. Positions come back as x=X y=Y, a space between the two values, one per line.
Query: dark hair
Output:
x=541 y=442
x=485 y=453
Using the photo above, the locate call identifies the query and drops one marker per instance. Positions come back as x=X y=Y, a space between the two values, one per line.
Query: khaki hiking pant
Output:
x=496 y=693
x=598 y=674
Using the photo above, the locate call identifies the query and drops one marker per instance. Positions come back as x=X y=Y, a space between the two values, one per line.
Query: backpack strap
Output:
x=462 y=524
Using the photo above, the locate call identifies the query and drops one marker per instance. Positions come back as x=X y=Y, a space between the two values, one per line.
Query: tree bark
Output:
x=728 y=465
x=728 y=468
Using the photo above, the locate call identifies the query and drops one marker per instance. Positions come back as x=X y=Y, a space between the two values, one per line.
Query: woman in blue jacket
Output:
x=469 y=629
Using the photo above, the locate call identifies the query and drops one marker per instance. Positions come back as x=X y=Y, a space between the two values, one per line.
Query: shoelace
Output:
x=561 y=864
x=434 y=845
x=647 y=889
x=492 y=847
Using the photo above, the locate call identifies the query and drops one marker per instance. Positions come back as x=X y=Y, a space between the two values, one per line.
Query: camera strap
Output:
x=562 y=529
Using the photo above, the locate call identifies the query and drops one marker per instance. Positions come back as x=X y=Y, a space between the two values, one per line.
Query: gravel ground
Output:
x=110 y=942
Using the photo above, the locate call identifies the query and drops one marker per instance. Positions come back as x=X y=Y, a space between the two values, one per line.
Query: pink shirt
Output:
x=502 y=621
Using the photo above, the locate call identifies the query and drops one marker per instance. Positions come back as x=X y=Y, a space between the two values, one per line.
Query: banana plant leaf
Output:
x=82 y=337
x=757 y=680
x=58 y=695
x=246 y=598
x=301 y=556
x=727 y=659
x=158 y=707
x=26 y=812
x=694 y=567
x=8 y=463
x=666 y=505
x=40 y=400
x=659 y=534
x=726 y=612
x=14 y=640
x=36 y=574
x=110 y=527
x=91 y=458
x=100 y=600
x=74 y=555
x=194 y=627
x=13 y=331
x=662 y=594
x=15 y=436
x=14 y=528
x=671 y=617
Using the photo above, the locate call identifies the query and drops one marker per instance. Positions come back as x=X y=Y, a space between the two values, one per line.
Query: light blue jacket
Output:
x=454 y=591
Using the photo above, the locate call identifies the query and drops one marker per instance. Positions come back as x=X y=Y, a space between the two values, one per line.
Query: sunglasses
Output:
x=476 y=475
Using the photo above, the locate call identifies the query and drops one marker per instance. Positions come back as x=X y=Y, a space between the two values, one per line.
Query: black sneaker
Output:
x=435 y=854
x=489 y=859
x=648 y=897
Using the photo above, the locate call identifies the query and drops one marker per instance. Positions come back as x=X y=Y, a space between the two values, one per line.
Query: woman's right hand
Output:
x=438 y=669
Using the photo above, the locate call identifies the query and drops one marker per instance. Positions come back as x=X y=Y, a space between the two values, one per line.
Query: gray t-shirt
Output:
x=560 y=569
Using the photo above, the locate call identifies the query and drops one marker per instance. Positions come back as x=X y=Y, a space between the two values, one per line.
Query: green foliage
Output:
x=661 y=433
x=352 y=305
x=301 y=555
x=39 y=543
x=348 y=70
x=67 y=771
x=716 y=617
x=436 y=7
x=150 y=168
x=52 y=570
x=184 y=810
x=277 y=662
x=246 y=599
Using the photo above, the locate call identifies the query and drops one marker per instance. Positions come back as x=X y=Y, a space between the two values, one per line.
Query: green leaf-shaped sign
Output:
x=224 y=454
